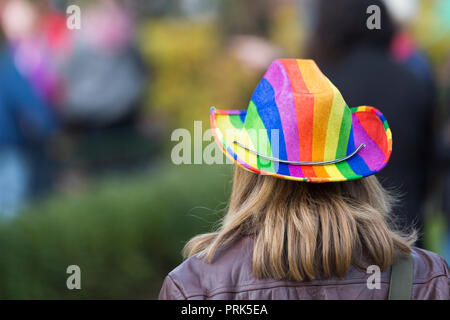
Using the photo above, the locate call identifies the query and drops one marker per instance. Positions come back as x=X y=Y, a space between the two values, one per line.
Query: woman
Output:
x=306 y=219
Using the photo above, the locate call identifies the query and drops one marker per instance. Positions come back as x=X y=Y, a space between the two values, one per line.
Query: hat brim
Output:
x=369 y=128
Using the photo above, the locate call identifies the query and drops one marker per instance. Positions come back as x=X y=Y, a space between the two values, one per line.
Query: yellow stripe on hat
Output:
x=334 y=125
x=230 y=133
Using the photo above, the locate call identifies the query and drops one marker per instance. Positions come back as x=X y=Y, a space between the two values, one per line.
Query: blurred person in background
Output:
x=104 y=75
x=37 y=36
x=434 y=33
x=26 y=121
x=443 y=152
x=403 y=46
x=359 y=61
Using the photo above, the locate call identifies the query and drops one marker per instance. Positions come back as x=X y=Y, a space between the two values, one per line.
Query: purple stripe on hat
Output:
x=371 y=154
x=279 y=80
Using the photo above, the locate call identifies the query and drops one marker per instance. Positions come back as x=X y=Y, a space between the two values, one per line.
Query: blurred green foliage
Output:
x=126 y=234
x=192 y=71
x=432 y=29
x=435 y=229
x=287 y=31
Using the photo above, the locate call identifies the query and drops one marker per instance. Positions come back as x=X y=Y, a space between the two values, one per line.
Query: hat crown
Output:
x=296 y=98
x=317 y=137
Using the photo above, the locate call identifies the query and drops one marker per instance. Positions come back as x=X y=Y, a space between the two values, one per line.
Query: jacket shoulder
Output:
x=428 y=265
x=186 y=279
x=195 y=278
x=431 y=275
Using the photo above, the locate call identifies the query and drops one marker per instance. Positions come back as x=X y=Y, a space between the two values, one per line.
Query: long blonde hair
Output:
x=303 y=231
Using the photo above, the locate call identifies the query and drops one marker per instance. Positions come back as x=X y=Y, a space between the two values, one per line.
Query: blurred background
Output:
x=86 y=117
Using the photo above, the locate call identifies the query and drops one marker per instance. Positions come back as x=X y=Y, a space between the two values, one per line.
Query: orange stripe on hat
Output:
x=317 y=83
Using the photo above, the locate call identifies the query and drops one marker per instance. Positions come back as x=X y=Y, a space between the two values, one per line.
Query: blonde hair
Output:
x=303 y=231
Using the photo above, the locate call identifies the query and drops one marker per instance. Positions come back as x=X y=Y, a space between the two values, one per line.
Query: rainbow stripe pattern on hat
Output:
x=297 y=115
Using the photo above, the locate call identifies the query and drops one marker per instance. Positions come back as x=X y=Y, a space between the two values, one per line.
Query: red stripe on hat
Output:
x=374 y=129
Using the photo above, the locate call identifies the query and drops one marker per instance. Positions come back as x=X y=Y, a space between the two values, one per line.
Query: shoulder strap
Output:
x=402 y=272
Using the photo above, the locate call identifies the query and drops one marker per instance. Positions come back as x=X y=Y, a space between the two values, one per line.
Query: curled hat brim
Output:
x=369 y=127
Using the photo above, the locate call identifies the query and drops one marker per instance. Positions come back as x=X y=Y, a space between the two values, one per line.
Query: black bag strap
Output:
x=402 y=272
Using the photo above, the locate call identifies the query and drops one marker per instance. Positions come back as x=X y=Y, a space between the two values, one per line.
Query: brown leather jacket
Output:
x=230 y=277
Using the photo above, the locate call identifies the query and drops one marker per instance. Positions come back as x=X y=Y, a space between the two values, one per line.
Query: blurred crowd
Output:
x=60 y=87
x=135 y=65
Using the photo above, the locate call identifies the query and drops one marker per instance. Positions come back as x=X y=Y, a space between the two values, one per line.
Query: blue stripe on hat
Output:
x=264 y=99
x=357 y=163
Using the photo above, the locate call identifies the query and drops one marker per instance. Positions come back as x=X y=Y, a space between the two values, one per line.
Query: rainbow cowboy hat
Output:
x=298 y=127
